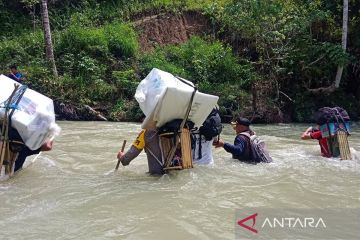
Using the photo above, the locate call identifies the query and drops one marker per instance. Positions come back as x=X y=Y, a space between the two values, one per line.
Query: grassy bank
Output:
x=261 y=59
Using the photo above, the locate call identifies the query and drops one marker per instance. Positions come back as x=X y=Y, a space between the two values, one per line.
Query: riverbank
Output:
x=265 y=63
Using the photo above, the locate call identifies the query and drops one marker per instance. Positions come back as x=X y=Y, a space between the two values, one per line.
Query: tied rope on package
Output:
x=34 y=116
x=163 y=97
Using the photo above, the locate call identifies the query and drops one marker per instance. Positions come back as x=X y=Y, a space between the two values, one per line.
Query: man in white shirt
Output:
x=202 y=151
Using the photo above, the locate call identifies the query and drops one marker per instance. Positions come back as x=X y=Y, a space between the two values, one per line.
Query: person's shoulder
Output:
x=245 y=134
x=149 y=134
x=243 y=137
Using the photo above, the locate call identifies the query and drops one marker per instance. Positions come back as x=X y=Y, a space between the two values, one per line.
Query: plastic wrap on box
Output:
x=162 y=97
x=34 y=117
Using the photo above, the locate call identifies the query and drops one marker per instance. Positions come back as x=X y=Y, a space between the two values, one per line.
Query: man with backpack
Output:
x=247 y=146
x=333 y=119
x=204 y=137
x=313 y=133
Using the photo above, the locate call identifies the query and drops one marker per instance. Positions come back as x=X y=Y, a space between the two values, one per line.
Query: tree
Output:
x=47 y=35
x=30 y=6
x=343 y=40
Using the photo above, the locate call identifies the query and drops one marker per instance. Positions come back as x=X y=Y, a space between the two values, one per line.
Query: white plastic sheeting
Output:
x=162 y=97
x=34 y=118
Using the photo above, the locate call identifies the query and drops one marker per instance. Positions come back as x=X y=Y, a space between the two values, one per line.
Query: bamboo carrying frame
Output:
x=7 y=157
x=185 y=141
x=184 y=144
x=344 y=148
x=169 y=148
x=338 y=143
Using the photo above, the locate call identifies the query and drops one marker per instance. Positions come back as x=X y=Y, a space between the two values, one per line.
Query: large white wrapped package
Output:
x=162 y=98
x=34 y=118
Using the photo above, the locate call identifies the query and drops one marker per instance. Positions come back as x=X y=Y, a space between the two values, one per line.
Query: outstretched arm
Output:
x=307 y=134
x=135 y=149
x=236 y=149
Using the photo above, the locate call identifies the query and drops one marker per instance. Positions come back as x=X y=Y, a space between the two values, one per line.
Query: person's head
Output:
x=241 y=124
x=13 y=68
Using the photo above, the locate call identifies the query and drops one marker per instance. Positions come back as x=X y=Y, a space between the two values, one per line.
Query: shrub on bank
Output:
x=211 y=65
x=22 y=50
x=121 y=40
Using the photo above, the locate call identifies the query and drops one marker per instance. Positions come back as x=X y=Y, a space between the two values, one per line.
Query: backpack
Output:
x=212 y=126
x=258 y=150
x=326 y=115
x=173 y=126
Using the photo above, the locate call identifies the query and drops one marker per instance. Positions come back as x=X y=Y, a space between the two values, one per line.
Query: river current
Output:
x=72 y=192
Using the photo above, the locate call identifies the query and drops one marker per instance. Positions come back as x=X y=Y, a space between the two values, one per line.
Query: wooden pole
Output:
x=4 y=151
x=122 y=150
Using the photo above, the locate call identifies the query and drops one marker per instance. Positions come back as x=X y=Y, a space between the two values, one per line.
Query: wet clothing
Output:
x=148 y=140
x=20 y=147
x=240 y=149
x=202 y=151
x=322 y=142
x=23 y=154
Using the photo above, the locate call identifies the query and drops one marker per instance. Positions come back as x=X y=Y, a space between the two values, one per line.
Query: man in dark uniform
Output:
x=241 y=148
x=148 y=140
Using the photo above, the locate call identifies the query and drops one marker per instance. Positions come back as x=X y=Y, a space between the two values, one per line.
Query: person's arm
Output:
x=12 y=76
x=307 y=134
x=46 y=146
x=23 y=154
x=135 y=149
x=236 y=149
x=127 y=157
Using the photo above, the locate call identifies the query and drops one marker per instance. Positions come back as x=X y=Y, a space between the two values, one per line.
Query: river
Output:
x=73 y=192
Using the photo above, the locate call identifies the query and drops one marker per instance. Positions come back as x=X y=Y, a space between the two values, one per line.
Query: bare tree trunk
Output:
x=343 y=40
x=254 y=97
x=47 y=34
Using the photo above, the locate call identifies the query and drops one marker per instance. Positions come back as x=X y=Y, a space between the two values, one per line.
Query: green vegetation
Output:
x=210 y=65
x=279 y=51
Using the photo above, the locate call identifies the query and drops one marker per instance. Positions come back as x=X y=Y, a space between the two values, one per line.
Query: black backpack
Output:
x=326 y=115
x=212 y=126
x=174 y=126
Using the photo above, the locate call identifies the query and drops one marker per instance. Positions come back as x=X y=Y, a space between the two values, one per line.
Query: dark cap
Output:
x=241 y=121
